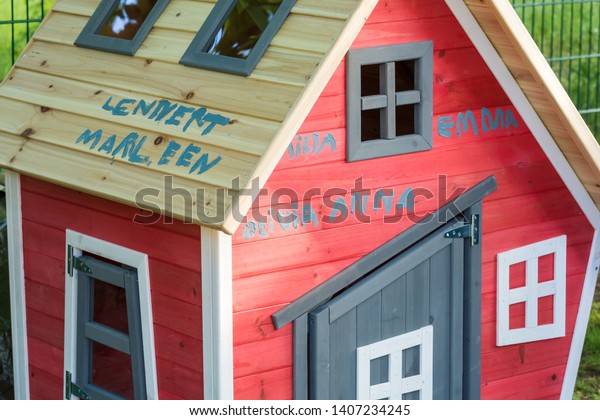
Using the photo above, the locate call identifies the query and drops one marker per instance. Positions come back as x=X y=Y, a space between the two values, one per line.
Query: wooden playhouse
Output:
x=295 y=199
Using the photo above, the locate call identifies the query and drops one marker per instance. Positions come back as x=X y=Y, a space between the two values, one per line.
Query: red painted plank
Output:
x=532 y=386
x=179 y=381
x=177 y=315
x=445 y=32
x=161 y=244
x=45 y=299
x=44 y=385
x=176 y=282
x=91 y=202
x=178 y=348
x=270 y=289
x=43 y=240
x=273 y=385
x=249 y=359
x=515 y=360
x=388 y=11
x=45 y=328
x=44 y=356
x=256 y=325
x=45 y=269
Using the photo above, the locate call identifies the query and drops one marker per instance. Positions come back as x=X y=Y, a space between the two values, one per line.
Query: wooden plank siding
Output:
x=57 y=91
x=275 y=263
x=173 y=249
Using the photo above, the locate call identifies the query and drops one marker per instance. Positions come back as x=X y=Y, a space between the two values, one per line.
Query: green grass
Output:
x=588 y=381
x=19 y=33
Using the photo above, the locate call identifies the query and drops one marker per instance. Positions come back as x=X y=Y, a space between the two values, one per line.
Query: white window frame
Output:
x=16 y=272
x=83 y=243
x=532 y=292
x=396 y=386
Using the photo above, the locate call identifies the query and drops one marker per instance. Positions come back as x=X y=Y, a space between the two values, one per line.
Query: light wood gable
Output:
x=57 y=91
x=518 y=50
x=209 y=131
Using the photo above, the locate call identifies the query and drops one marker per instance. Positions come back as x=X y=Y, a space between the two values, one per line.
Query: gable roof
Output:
x=236 y=125
x=56 y=92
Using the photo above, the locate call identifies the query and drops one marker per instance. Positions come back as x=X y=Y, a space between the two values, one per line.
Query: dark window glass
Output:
x=111 y=370
x=405 y=120
x=371 y=125
x=126 y=18
x=243 y=27
x=405 y=75
x=110 y=306
x=369 y=83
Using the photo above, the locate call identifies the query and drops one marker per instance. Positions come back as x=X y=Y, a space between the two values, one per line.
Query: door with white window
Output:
x=397 y=333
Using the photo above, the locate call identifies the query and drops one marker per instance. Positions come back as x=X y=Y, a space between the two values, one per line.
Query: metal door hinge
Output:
x=73 y=389
x=74 y=263
x=470 y=230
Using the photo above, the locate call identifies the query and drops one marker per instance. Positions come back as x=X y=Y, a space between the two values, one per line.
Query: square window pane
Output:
x=411 y=362
x=371 y=125
x=126 y=19
x=415 y=395
x=405 y=75
x=546 y=268
x=110 y=306
x=111 y=370
x=516 y=275
x=242 y=29
x=369 y=80
x=516 y=313
x=546 y=310
x=380 y=370
x=405 y=120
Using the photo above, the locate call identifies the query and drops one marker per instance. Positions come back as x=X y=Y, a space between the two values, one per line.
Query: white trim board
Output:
x=217 y=314
x=583 y=316
x=16 y=272
x=80 y=243
x=525 y=109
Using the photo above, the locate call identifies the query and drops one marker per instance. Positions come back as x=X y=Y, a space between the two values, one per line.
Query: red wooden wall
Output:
x=275 y=263
x=174 y=255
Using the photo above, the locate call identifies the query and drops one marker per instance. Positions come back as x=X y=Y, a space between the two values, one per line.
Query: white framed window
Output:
x=402 y=379
x=532 y=292
x=109 y=337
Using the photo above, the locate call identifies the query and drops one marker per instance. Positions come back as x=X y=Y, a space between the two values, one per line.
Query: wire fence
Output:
x=568 y=33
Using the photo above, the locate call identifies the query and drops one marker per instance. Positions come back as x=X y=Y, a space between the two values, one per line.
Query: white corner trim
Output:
x=531 y=292
x=16 y=272
x=135 y=259
x=525 y=109
x=217 y=314
x=583 y=316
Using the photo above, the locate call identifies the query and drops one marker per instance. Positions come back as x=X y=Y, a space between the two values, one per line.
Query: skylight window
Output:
x=120 y=26
x=236 y=35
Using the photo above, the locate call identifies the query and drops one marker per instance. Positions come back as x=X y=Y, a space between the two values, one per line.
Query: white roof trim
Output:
x=524 y=107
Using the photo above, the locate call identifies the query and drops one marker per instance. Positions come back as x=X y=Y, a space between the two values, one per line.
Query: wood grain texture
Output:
x=173 y=251
x=260 y=107
x=531 y=203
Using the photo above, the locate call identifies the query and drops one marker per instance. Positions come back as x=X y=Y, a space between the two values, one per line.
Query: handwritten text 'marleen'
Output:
x=131 y=146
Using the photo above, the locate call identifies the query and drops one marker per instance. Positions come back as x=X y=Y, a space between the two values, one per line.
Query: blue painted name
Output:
x=167 y=112
x=129 y=148
x=499 y=119
x=311 y=144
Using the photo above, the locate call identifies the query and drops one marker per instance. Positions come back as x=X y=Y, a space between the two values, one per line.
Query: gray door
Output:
x=398 y=332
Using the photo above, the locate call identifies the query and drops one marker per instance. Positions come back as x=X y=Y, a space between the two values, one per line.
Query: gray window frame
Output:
x=421 y=97
x=89 y=38
x=89 y=330
x=195 y=55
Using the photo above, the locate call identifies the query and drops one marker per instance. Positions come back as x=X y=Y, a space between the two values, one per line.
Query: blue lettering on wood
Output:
x=498 y=119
